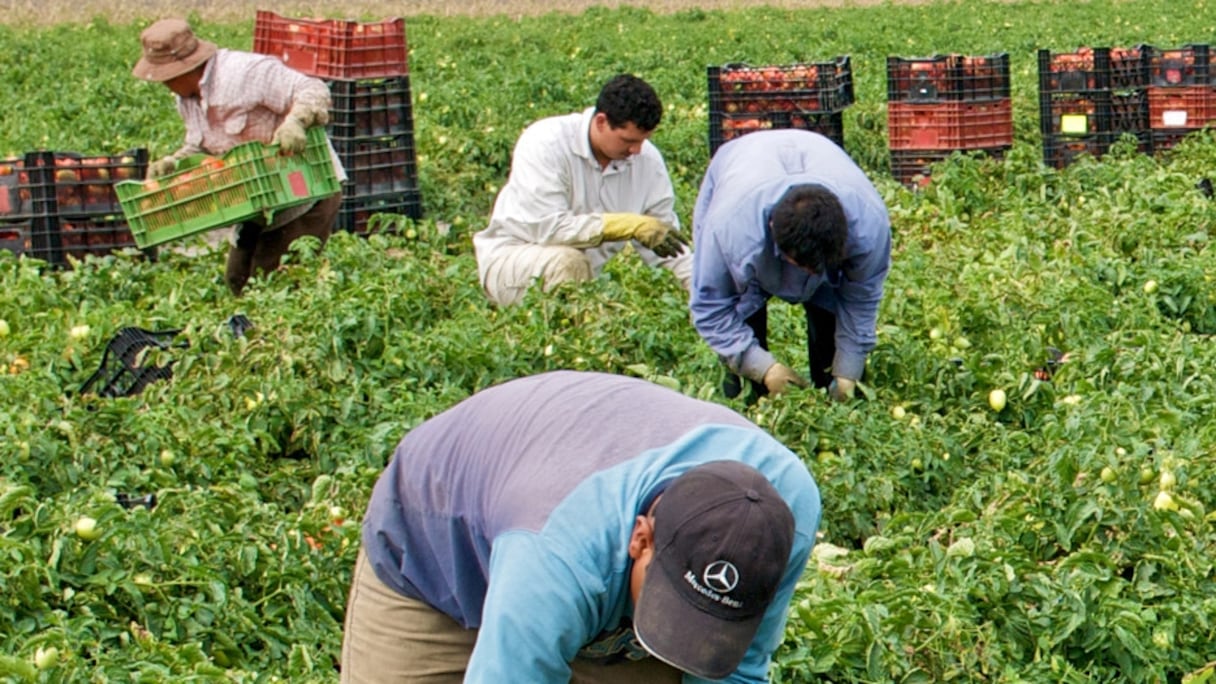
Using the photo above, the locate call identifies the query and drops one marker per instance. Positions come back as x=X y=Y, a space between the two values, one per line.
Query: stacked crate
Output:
x=1181 y=98
x=810 y=96
x=1091 y=98
x=940 y=105
x=58 y=206
x=371 y=119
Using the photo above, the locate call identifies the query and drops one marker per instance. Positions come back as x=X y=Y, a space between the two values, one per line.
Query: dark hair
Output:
x=625 y=99
x=809 y=227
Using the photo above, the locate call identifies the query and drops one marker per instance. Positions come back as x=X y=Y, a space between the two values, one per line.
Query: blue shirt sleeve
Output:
x=535 y=617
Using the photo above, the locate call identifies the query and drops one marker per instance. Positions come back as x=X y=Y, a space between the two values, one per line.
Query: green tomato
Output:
x=167 y=457
x=46 y=658
x=1109 y=476
x=1165 y=502
x=996 y=400
x=86 y=528
x=1150 y=286
x=4 y=329
x=1146 y=475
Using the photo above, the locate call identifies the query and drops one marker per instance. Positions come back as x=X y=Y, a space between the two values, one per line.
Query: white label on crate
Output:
x=1074 y=123
x=1174 y=118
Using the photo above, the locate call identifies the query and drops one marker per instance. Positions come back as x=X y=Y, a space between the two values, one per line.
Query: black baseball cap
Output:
x=722 y=543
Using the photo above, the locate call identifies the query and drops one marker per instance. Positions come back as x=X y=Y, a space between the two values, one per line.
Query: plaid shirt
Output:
x=244 y=97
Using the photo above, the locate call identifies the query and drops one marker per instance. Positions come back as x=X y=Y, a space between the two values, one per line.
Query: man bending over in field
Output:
x=579 y=527
x=581 y=187
x=787 y=214
x=226 y=98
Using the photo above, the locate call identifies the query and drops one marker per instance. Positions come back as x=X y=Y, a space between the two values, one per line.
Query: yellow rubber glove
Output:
x=659 y=237
x=841 y=389
x=779 y=377
x=290 y=136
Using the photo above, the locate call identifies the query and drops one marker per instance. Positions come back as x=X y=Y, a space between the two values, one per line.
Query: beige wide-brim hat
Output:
x=170 y=50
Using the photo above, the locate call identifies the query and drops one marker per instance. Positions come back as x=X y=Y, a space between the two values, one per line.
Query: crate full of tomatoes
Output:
x=50 y=183
x=206 y=193
x=809 y=96
x=959 y=78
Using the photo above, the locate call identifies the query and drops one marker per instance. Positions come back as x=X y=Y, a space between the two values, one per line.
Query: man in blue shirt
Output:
x=787 y=214
x=579 y=527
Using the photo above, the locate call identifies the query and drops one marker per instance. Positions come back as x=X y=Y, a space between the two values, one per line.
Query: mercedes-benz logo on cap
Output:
x=721 y=576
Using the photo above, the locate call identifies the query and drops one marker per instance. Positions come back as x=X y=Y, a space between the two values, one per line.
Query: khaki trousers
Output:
x=390 y=638
x=508 y=271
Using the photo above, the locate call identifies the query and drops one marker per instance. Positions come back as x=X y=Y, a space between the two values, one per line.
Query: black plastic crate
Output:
x=1061 y=150
x=809 y=87
x=35 y=236
x=913 y=168
x=1189 y=65
x=379 y=165
x=1165 y=140
x=1087 y=113
x=726 y=127
x=72 y=184
x=96 y=235
x=1093 y=69
x=948 y=77
x=371 y=107
x=127 y=367
x=357 y=210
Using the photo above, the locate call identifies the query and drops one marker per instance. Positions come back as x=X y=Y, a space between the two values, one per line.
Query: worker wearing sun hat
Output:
x=519 y=537
x=225 y=98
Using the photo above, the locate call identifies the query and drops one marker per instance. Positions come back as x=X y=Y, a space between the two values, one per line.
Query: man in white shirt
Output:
x=581 y=187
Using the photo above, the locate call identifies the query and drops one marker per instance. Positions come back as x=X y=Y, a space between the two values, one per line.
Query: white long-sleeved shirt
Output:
x=557 y=192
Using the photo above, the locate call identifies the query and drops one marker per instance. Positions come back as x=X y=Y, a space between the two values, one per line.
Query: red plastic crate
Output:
x=333 y=48
x=1181 y=107
x=949 y=125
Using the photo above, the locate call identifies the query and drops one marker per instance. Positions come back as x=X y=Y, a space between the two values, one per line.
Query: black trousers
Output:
x=258 y=250
x=820 y=348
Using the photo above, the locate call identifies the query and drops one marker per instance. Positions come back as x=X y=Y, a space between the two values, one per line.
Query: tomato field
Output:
x=1057 y=530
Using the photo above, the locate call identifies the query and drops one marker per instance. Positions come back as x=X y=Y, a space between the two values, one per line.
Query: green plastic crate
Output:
x=206 y=193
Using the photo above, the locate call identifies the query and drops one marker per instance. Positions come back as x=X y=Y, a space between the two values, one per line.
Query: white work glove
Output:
x=162 y=167
x=291 y=136
x=841 y=389
x=779 y=377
